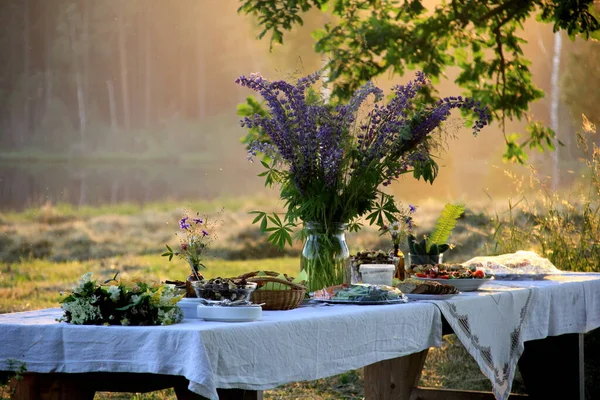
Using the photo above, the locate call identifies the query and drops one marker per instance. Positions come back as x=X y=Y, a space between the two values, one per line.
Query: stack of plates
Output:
x=229 y=314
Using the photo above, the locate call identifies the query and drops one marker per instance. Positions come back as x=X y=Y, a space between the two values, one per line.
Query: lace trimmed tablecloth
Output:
x=306 y=343
x=494 y=323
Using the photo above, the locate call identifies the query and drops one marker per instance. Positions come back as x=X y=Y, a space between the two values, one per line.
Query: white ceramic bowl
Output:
x=188 y=305
x=464 y=285
x=377 y=274
x=229 y=314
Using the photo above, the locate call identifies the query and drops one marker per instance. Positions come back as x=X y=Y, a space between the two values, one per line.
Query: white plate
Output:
x=229 y=314
x=429 y=296
x=464 y=285
x=361 y=302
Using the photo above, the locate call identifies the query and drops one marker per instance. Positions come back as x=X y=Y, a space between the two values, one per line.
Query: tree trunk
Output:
x=123 y=67
x=81 y=109
x=201 y=73
x=554 y=109
x=112 y=106
x=86 y=51
x=148 y=62
x=48 y=36
x=26 y=67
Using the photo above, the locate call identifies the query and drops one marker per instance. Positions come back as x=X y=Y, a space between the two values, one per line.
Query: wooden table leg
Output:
x=45 y=387
x=395 y=378
x=182 y=393
x=59 y=386
x=552 y=368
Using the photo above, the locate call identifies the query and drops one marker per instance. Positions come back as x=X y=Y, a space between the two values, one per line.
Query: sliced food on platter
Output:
x=430 y=290
x=360 y=294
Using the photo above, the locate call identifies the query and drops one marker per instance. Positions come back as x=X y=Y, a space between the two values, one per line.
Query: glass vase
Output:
x=325 y=256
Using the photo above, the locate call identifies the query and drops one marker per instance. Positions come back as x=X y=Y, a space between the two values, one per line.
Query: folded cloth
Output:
x=491 y=331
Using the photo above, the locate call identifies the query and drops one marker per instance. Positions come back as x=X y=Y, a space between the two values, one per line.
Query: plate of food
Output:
x=465 y=279
x=416 y=289
x=363 y=294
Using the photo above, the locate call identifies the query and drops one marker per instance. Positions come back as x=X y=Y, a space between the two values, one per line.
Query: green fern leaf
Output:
x=445 y=224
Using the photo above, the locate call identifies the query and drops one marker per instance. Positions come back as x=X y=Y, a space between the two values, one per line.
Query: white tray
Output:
x=361 y=302
x=229 y=314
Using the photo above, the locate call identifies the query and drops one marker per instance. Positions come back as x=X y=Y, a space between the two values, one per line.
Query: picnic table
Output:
x=504 y=322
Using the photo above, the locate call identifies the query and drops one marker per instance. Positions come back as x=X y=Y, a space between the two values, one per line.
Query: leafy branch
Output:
x=365 y=39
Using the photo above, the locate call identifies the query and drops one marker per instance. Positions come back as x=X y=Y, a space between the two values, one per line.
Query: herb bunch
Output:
x=331 y=160
x=121 y=302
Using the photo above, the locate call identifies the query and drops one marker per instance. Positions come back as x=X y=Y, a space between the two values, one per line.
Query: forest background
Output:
x=149 y=86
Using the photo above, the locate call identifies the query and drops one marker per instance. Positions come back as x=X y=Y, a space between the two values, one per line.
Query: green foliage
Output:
x=277 y=15
x=563 y=228
x=436 y=242
x=365 y=39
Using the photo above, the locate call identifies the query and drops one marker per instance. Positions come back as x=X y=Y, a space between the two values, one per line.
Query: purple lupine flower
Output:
x=197 y=221
x=334 y=150
x=204 y=233
x=183 y=223
x=412 y=209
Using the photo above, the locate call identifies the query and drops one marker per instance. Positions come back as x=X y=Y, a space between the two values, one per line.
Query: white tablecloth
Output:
x=284 y=346
x=494 y=322
x=314 y=341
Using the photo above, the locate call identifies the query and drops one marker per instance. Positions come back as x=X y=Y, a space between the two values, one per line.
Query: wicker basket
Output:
x=284 y=299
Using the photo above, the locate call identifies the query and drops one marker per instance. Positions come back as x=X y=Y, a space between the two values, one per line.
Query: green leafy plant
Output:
x=436 y=242
x=363 y=39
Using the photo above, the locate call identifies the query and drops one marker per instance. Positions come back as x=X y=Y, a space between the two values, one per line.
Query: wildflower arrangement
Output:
x=399 y=227
x=195 y=235
x=331 y=161
x=121 y=302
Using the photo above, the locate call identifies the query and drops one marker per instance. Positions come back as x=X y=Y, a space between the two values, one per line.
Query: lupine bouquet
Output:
x=121 y=302
x=331 y=160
